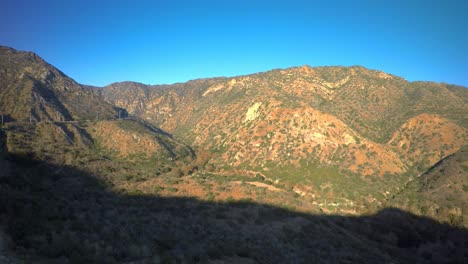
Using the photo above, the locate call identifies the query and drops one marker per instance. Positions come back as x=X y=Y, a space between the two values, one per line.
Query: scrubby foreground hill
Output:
x=60 y=214
x=441 y=192
x=349 y=137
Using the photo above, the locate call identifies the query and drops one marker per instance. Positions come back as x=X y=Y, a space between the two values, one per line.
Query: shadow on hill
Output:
x=62 y=214
x=149 y=126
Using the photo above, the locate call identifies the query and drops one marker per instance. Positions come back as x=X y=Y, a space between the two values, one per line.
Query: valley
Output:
x=333 y=164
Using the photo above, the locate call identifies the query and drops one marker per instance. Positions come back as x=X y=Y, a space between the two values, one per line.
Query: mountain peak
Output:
x=32 y=89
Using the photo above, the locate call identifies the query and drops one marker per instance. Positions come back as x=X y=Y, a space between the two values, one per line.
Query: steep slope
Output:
x=130 y=138
x=347 y=136
x=298 y=109
x=427 y=138
x=32 y=89
x=371 y=102
x=157 y=104
x=441 y=192
x=48 y=116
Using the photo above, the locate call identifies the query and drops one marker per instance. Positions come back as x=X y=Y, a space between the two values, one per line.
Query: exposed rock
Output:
x=252 y=113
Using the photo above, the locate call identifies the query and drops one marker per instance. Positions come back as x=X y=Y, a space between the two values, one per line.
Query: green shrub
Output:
x=157 y=189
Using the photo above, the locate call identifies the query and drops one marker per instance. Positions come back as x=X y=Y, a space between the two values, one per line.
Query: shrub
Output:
x=157 y=189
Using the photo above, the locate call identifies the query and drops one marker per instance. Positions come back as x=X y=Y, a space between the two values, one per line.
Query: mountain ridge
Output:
x=274 y=69
x=51 y=94
x=48 y=115
x=317 y=130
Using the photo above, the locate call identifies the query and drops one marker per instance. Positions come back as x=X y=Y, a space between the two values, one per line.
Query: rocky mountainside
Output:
x=32 y=89
x=49 y=116
x=317 y=129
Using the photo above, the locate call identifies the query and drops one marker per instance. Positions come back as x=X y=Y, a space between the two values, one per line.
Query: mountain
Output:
x=349 y=93
x=318 y=130
x=325 y=164
x=31 y=88
x=49 y=116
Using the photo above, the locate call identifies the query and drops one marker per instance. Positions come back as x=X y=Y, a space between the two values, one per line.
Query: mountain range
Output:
x=318 y=130
x=344 y=141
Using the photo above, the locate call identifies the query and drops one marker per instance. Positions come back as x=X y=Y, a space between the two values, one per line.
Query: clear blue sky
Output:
x=158 y=42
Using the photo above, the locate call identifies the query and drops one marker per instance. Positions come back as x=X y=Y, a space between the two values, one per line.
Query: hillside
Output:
x=48 y=116
x=48 y=211
x=318 y=130
x=32 y=89
x=441 y=192
x=349 y=93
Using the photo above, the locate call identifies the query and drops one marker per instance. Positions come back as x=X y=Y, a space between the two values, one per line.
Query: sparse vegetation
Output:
x=206 y=177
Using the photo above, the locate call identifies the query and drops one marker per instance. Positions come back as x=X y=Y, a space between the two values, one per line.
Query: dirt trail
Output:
x=263 y=185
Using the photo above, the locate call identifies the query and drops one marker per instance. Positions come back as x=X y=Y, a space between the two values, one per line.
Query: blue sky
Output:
x=157 y=42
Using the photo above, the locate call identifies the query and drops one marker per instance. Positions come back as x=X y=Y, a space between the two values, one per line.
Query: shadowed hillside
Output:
x=33 y=90
x=441 y=192
x=60 y=214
